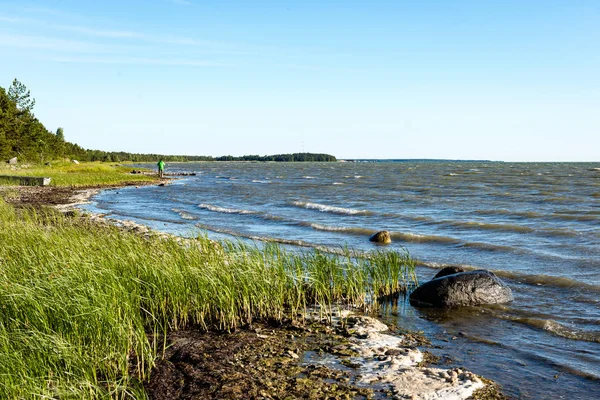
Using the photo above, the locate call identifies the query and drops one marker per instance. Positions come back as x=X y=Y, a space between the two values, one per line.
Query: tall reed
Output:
x=84 y=308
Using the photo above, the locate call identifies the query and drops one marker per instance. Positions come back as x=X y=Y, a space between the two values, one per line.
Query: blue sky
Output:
x=500 y=80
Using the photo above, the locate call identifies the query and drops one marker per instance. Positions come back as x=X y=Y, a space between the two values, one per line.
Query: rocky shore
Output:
x=324 y=356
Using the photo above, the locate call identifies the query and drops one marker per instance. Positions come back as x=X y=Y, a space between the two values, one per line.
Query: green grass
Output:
x=79 y=301
x=83 y=174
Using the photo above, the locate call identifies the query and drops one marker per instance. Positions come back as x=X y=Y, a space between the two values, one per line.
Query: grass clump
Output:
x=64 y=173
x=85 y=309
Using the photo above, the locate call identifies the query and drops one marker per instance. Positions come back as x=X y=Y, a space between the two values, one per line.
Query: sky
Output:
x=496 y=80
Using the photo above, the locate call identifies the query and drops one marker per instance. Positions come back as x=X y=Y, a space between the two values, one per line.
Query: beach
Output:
x=366 y=359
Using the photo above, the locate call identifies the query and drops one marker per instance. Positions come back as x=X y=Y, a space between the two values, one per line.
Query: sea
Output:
x=535 y=225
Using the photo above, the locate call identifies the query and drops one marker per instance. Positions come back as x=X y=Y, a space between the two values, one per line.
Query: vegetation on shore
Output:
x=23 y=136
x=64 y=173
x=86 y=308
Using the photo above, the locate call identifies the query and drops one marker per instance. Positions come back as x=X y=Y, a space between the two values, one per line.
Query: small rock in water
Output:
x=382 y=237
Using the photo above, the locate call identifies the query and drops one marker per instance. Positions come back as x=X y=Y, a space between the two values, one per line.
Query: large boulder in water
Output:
x=452 y=269
x=462 y=289
x=382 y=237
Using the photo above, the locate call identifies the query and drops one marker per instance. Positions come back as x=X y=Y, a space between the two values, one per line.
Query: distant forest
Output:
x=23 y=136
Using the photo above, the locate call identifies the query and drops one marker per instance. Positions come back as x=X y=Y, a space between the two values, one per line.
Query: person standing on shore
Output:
x=161 y=168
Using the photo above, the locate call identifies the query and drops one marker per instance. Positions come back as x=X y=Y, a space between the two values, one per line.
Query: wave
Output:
x=563 y=232
x=548 y=280
x=361 y=231
x=402 y=236
x=552 y=327
x=331 y=209
x=270 y=239
x=576 y=217
x=133 y=217
x=486 y=226
x=471 y=225
x=557 y=328
x=224 y=210
x=327 y=228
x=557 y=215
x=185 y=215
x=419 y=238
x=259 y=181
x=491 y=247
x=254 y=237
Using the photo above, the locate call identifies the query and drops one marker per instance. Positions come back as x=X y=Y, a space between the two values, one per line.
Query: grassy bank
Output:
x=83 y=174
x=78 y=299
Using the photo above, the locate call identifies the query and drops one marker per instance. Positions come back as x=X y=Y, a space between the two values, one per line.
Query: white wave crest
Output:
x=224 y=210
x=327 y=228
x=185 y=215
x=331 y=209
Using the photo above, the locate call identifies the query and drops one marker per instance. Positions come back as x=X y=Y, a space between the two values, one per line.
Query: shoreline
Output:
x=374 y=357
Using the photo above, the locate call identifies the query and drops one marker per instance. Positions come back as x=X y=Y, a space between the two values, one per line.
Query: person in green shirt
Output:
x=161 y=168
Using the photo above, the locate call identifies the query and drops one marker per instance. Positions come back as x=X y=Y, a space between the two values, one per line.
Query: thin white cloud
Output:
x=73 y=28
x=47 y=43
x=115 y=34
x=139 y=61
x=51 y=11
x=99 y=32
x=181 y=2
x=12 y=20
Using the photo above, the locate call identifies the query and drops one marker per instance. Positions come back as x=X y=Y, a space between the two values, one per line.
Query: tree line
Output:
x=281 y=157
x=23 y=136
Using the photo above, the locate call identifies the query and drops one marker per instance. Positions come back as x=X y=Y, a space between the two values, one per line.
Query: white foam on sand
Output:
x=383 y=360
x=78 y=198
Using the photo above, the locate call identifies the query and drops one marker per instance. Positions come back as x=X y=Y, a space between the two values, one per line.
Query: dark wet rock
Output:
x=453 y=269
x=462 y=289
x=381 y=237
x=180 y=174
x=395 y=352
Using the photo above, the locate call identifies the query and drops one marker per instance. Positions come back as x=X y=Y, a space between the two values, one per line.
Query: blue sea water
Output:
x=537 y=225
